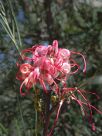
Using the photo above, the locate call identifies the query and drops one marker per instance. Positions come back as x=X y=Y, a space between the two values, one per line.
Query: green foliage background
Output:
x=77 y=25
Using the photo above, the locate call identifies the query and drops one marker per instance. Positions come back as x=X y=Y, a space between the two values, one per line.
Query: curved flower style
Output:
x=46 y=66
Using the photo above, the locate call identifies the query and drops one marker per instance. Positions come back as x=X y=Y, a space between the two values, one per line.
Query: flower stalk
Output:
x=46 y=98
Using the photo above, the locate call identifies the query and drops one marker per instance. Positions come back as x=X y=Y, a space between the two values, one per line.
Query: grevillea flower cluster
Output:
x=47 y=67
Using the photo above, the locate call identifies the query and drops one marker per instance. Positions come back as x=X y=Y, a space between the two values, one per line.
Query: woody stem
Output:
x=46 y=112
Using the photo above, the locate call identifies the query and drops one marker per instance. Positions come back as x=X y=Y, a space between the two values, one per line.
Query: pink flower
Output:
x=44 y=65
x=49 y=66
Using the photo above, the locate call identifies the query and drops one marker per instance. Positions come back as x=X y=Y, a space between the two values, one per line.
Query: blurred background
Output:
x=77 y=25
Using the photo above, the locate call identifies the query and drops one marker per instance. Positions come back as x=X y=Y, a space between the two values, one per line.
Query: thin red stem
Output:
x=56 y=119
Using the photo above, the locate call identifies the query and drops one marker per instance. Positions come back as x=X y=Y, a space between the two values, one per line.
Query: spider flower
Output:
x=46 y=66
